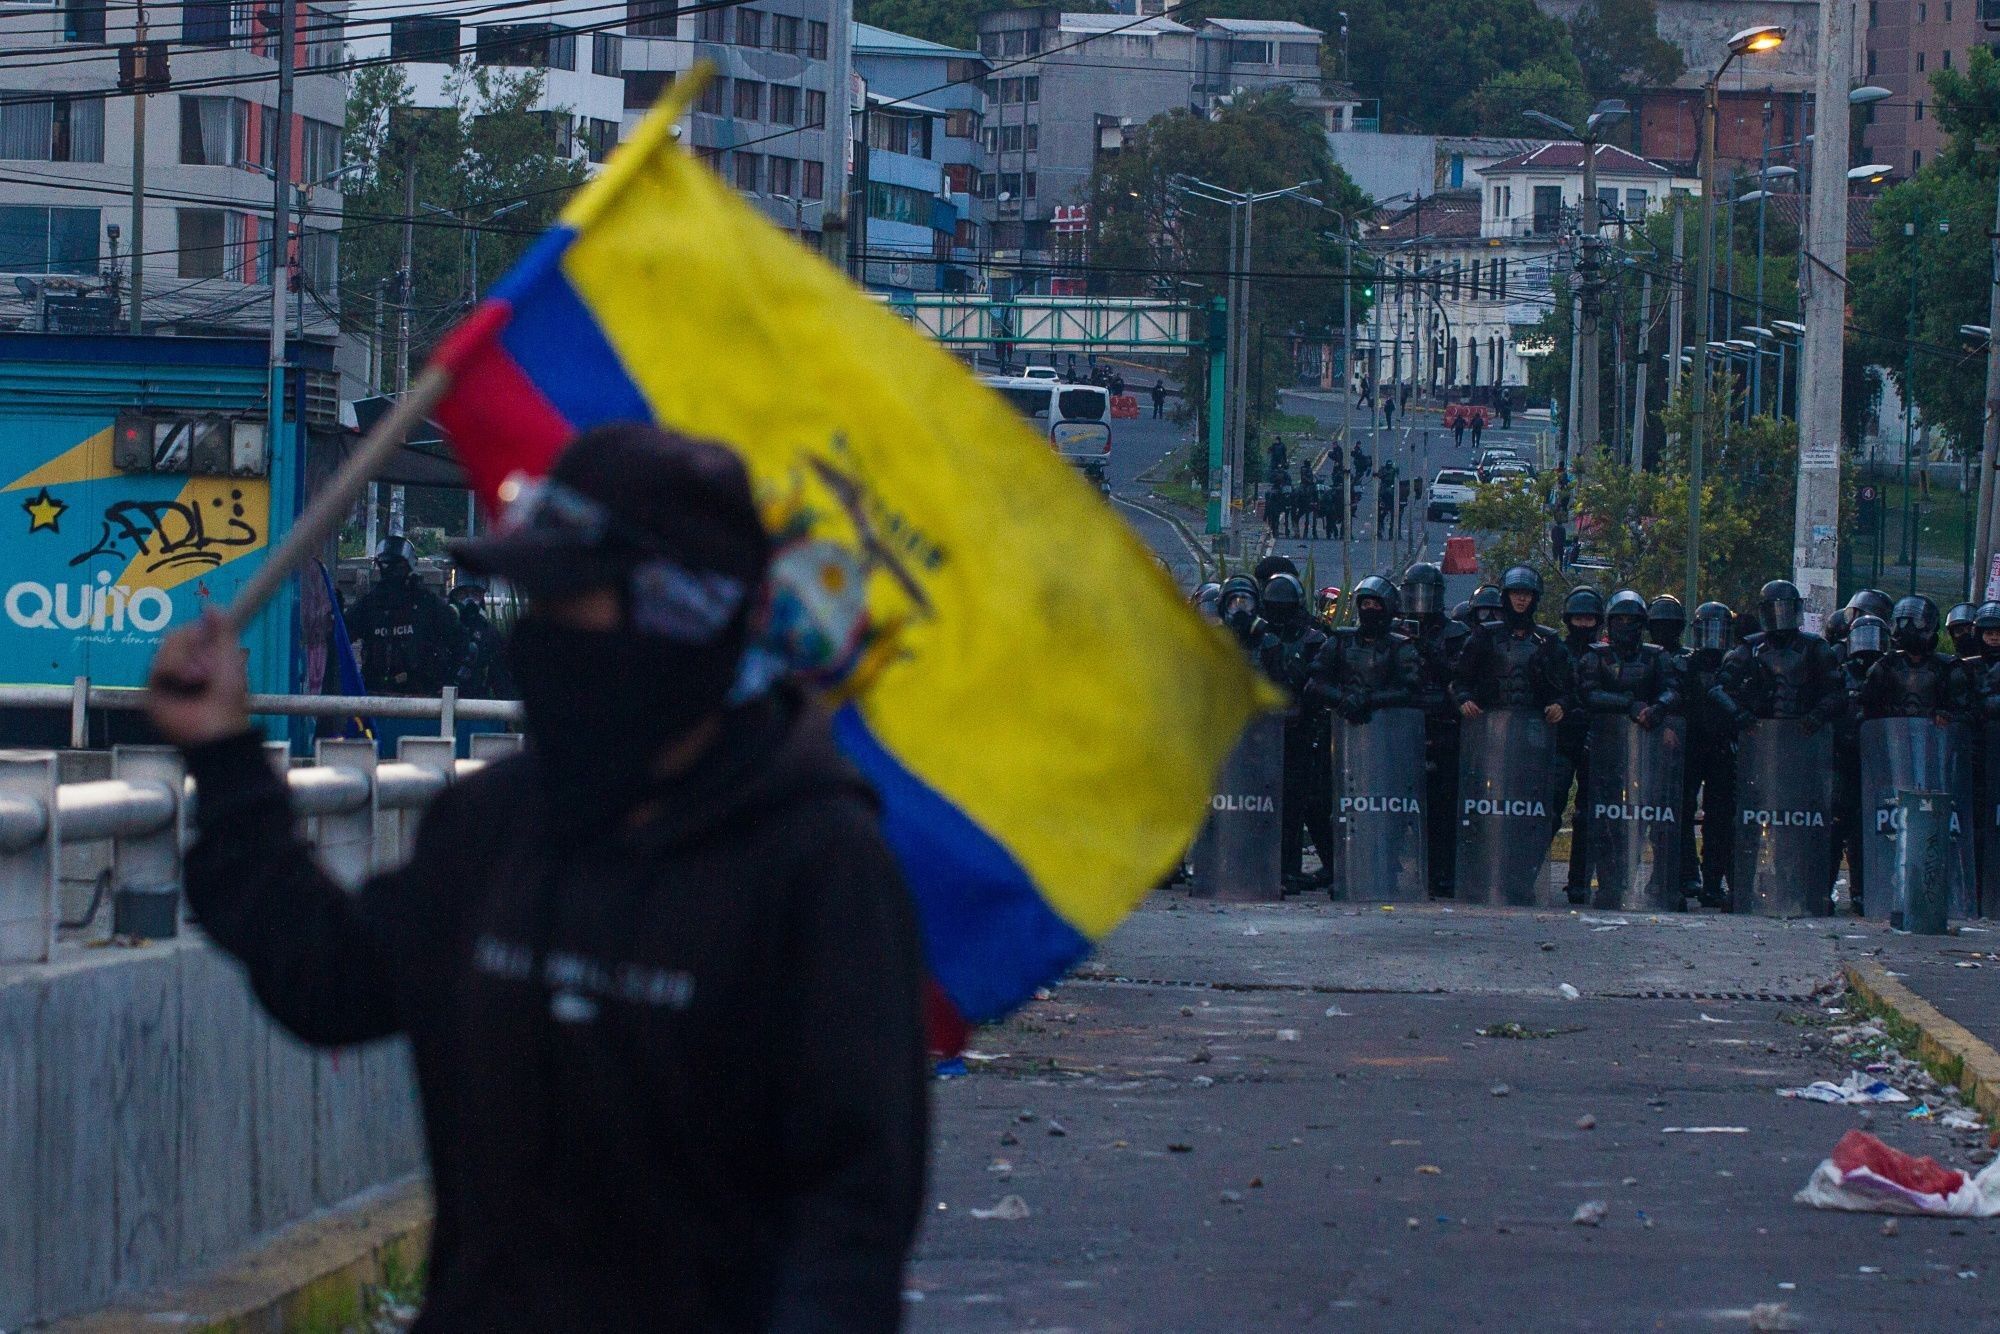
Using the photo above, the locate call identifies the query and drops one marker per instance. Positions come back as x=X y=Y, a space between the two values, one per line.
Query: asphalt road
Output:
x=1285 y=1117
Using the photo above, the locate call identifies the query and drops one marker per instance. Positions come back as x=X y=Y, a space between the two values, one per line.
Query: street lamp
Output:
x=1749 y=41
x=1873 y=174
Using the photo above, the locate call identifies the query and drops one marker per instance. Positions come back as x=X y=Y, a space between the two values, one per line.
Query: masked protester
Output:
x=1583 y=627
x=1867 y=643
x=659 y=973
x=1709 y=782
x=1666 y=623
x=1438 y=640
x=1914 y=680
x=410 y=642
x=1288 y=658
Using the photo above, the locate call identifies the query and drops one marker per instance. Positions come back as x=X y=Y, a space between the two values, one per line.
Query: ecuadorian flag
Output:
x=1040 y=712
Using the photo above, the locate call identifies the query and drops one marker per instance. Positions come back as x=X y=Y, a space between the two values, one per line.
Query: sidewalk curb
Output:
x=1940 y=1041
x=309 y=1276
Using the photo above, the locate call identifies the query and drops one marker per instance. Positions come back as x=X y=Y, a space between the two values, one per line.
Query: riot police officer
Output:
x=1513 y=663
x=1964 y=635
x=1986 y=621
x=1709 y=777
x=1293 y=646
x=1835 y=630
x=1867 y=641
x=1583 y=625
x=1207 y=602
x=1488 y=608
x=1871 y=602
x=1915 y=680
x=1666 y=623
x=1784 y=672
x=1368 y=665
x=482 y=671
x=1626 y=675
x=1438 y=640
x=410 y=641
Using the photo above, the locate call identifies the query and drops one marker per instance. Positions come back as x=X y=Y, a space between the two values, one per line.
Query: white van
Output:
x=1076 y=418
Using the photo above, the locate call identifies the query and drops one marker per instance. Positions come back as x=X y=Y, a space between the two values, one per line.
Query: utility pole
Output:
x=1677 y=308
x=142 y=69
x=1823 y=292
x=1982 y=584
x=1587 y=430
x=1234 y=370
x=1240 y=470
x=281 y=214
x=407 y=281
x=1642 y=367
x=1704 y=277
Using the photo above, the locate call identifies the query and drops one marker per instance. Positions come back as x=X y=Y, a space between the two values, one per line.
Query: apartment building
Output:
x=1906 y=43
x=926 y=108
x=67 y=229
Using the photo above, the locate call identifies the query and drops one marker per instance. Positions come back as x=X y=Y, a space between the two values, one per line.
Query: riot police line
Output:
x=1427 y=754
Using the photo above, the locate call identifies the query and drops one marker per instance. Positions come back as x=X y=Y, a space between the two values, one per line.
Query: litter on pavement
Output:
x=1704 y=1130
x=1867 y=1176
x=1010 y=1209
x=1854 y=1090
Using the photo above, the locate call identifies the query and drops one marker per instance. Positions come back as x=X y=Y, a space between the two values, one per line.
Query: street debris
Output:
x=1232 y=1197
x=951 y=1069
x=1957 y=1120
x=1590 y=1213
x=1521 y=1032
x=1204 y=1081
x=1202 y=1056
x=1180 y=1148
x=1008 y=1137
x=1704 y=1130
x=1010 y=1209
x=1921 y=1112
x=1569 y=992
x=1707 y=1018
x=1056 y=1130
x=1768 y=1317
x=1288 y=1035
x=1865 y=1175
x=1586 y=1122
x=1500 y=1090
x=1890 y=1227
x=1429 y=1170
x=1335 y=1012
x=1856 y=1089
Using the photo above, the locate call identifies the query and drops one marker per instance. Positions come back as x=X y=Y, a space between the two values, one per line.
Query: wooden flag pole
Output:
x=329 y=509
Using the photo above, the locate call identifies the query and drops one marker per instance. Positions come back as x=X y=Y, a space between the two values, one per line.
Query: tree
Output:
x=1152 y=240
x=487 y=148
x=1543 y=87
x=1618 y=45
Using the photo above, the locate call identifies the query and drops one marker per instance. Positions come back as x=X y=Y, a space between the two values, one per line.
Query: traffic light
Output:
x=1368 y=291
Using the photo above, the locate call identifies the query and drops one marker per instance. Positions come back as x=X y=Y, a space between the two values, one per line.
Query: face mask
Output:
x=601 y=705
x=1373 y=620
x=1624 y=632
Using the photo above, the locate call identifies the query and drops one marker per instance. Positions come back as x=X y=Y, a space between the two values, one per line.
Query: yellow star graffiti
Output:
x=44 y=511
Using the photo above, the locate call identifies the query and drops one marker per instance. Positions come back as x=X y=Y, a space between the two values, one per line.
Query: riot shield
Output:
x=1635 y=813
x=1913 y=755
x=1505 y=775
x=1784 y=820
x=1989 y=822
x=1236 y=856
x=1378 y=808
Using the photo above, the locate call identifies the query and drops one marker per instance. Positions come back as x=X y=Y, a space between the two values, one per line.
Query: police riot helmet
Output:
x=1987 y=617
x=1207 y=600
x=1666 y=620
x=1486 y=605
x=1583 y=600
x=1871 y=602
x=1375 y=586
x=1958 y=624
x=1835 y=629
x=1271 y=566
x=395 y=560
x=1867 y=637
x=1462 y=613
x=1625 y=618
x=1713 y=626
x=1327 y=600
x=468 y=590
x=1284 y=598
x=1423 y=589
x=1778 y=606
x=1238 y=594
x=1914 y=624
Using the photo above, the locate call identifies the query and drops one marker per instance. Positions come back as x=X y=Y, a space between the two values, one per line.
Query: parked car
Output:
x=1450 y=489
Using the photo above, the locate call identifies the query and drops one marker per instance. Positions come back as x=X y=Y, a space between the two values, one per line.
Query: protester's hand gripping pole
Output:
x=329 y=509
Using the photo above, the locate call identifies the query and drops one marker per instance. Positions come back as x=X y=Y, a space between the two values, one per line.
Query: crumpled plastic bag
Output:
x=1867 y=1176
x=1856 y=1089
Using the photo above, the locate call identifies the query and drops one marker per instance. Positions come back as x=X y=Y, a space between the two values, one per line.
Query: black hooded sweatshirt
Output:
x=672 y=1077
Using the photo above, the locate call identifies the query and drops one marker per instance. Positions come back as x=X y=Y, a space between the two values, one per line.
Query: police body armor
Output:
x=1505 y=774
x=1236 y=855
x=1902 y=686
x=1517 y=668
x=1782 y=828
x=1781 y=678
x=1912 y=754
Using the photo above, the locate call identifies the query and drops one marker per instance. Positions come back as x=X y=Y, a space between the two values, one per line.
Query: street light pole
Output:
x=281 y=221
x=1982 y=562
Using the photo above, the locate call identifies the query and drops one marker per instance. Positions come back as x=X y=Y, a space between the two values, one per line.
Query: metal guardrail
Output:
x=80 y=696
x=358 y=811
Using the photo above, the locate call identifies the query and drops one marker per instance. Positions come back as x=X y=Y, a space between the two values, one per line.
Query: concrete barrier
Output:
x=153 y=1121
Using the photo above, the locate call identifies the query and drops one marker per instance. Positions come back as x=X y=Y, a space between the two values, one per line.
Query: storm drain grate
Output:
x=1773 y=997
x=1321 y=989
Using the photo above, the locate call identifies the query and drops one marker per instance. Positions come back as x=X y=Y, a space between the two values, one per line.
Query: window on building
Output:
x=783 y=175
x=890 y=132
x=747 y=170
x=812 y=179
x=424 y=40
x=643 y=87
x=211 y=243
x=1947 y=11
x=527 y=45
x=607 y=54
x=961 y=125
x=1474 y=278
x=1299 y=53
x=1923 y=12
x=815 y=108
x=206 y=23
x=1607 y=204
x=898 y=203
x=1947 y=59
x=1014 y=43
x=319 y=259
x=1920 y=62
x=1635 y=205
x=710 y=101
x=961 y=70
x=748 y=102
x=788 y=33
x=990 y=44
x=1010 y=138
x=562 y=131
x=325 y=39
x=983 y=187
x=784 y=104
x=58 y=129
x=1871 y=61
x=1457 y=273
x=1500 y=279
x=816 y=40
x=1249 y=53
x=958 y=178
x=321 y=149
x=1010 y=184
x=1920 y=111
x=1548 y=209
x=1916 y=160
x=83 y=21
x=213 y=131
x=37 y=239
x=1030 y=194
x=1034 y=86
x=714 y=25
x=1032 y=138
x=749 y=27
x=966 y=236
x=1871 y=13
x=652 y=18
x=599 y=138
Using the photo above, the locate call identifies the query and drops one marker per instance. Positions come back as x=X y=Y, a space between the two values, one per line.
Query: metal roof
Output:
x=1264 y=27
x=1567 y=156
x=871 y=40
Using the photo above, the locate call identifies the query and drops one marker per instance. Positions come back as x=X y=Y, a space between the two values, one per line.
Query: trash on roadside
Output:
x=1232 y=1197
x=1856 y=1089
x=1769 y=1317
x=1204 y=1081
x=1429 y=1170
x=1586 y=1122
x=951 y=1069
x=1589 y=1214
x=1521 y=1032
x=1010 y=1209
x=1569 y=992
x=1056 y=1130
x=1711 y=1019
x=1288 y=1035
x=1180 y=1148
x=1335 y=1012
x=1202 y=1056
x=1921 y=1112
x=1961 y=1121
x=1603 y=921
x=1500 y=1090
x=1867 y=1176
x=1704 y=1130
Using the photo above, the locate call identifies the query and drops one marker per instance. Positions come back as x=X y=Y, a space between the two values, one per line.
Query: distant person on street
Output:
x=1457 y=424
x=1117 y=385
x=1506 y=410
x=1279 y=460
x=1388 y=412
x=1478 y=419
x=410 y=642
x=660 y=975
x=1159 y=399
